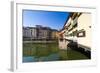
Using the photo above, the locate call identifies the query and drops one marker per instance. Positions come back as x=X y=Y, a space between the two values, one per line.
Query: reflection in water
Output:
x=35 y=52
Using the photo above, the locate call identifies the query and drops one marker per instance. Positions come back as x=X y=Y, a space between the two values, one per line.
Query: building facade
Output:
x=39 y=33
x=84 y=31
x=77 y=29
x=71 y=27
x=54 y=34
x=43 y=32
x=26 y=32
x=29 y=32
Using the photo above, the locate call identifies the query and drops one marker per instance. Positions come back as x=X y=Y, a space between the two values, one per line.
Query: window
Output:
x=81 y=33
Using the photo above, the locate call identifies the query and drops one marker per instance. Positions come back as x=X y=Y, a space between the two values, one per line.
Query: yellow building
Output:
x=54 y=34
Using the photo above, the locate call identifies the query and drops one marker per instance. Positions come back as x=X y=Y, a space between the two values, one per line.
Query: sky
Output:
x=52 y=19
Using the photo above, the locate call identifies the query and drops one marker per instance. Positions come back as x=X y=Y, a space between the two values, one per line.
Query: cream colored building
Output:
x=84 y=25
x=78 y=29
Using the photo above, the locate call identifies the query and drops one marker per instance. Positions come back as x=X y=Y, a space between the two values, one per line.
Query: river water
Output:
x=37 y=52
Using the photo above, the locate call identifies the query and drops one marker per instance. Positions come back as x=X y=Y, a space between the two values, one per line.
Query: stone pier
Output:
x=63 y=44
